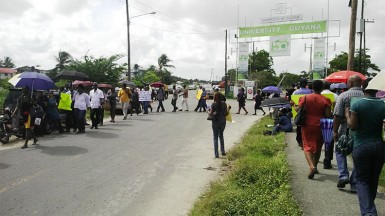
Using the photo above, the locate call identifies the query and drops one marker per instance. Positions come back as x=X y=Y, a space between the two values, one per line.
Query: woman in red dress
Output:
x=317 y=107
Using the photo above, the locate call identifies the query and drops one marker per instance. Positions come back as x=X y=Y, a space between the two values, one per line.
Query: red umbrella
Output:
x=84 y=83
x=104 y=85
x=343 y=76
x=157 y=84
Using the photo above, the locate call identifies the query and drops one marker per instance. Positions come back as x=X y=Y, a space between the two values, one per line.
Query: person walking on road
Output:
x=185 y=98
x=97 y=99
x=24 y=103
x=365 y=118
x=329 y=151
x=301 y=90
x=82 y=102
x=160 y=96
x=124 y=96
x=111 y=96
x=258 y=101
x=340 y=127
x=218 y=113
x=241 y=98
x=317 y=107
x=174 y=98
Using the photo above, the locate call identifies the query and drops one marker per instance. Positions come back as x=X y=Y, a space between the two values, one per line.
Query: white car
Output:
x=192 y=87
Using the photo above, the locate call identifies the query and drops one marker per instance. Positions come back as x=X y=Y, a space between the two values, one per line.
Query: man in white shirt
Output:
x=97 y=98
x=81 y=103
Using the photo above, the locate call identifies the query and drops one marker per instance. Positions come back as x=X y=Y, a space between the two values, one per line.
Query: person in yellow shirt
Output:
x=165 y=91
x=124 y=96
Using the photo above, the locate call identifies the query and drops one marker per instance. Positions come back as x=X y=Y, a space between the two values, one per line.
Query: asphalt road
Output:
x=147 y=165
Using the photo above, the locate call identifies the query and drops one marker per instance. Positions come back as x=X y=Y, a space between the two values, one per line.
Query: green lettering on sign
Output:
x=284 y=29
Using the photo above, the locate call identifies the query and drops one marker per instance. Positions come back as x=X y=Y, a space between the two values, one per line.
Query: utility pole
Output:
x=226 y=91
x=352 y=35
x=128 y=43
x=362 y=31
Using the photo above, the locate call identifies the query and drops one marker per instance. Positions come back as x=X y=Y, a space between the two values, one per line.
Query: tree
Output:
x=163 y=63
x=150 y=77
x=63 y=60
x=261 y=61
x=265 y=78
x=289 y=79
x=102 y=69
x=340 y=63
x=7 y=62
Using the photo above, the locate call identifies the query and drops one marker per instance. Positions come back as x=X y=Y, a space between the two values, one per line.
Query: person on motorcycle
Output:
x=24 y=104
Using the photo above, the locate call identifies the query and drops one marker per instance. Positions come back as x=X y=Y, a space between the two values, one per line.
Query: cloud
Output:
x=14 y=8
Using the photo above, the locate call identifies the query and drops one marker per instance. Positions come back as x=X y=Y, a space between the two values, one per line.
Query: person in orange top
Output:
x=317 y=107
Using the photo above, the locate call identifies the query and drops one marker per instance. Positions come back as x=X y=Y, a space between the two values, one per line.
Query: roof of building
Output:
x=7 y=71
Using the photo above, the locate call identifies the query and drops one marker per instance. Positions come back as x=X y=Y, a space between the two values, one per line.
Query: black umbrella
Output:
x=276 y=101
x=72 y=75
x=128 y=83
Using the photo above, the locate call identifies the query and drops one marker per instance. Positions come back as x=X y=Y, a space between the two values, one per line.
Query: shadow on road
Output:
x=100 y=134
x=3 y=166
x=61 y=150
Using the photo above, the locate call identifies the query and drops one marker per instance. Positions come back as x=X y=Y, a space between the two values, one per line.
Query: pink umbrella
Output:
x=84 y=83
x=104 y=85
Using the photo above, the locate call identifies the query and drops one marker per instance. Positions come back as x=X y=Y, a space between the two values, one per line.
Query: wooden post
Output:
x=352 y=35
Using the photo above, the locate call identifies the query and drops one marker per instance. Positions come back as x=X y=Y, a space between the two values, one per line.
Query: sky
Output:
x=190 y=32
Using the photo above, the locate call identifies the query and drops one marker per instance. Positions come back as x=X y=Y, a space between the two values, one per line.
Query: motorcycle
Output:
x=10 y=125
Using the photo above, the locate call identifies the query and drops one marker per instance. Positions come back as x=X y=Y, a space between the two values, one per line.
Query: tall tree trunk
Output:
x=352 y=35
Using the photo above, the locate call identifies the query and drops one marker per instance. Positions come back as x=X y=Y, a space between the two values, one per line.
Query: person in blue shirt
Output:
x=284 y=122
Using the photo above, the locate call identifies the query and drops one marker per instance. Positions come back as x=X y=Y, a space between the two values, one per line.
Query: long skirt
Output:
x=312 y=138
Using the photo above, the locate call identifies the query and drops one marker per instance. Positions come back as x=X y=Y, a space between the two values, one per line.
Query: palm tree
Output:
x=63 y=59
x=164 y=62
x=7 y=63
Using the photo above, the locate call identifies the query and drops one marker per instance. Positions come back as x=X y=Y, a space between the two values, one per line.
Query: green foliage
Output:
x=163 y=64
x=257 y=184
x=261 y=61
x=102 y=69
x=3 y=94
x=340 y=63
x=150 y=77
x=5 y=84
x=264 y=78
x=289 y=79
x=7 y=62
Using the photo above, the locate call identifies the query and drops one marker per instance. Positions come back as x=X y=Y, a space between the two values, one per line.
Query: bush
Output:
x=258 y=183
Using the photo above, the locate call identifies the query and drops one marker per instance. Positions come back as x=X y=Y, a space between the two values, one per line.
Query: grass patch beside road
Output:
x=257 y=182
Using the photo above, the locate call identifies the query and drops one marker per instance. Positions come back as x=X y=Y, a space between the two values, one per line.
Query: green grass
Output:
x=257 y=182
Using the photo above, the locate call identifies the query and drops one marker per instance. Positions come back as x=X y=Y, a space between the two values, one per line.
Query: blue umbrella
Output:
x=271 y=89
x=327 y=130
x=33 y=80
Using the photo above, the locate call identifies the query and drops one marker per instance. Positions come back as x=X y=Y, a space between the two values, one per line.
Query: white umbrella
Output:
x=378 y=82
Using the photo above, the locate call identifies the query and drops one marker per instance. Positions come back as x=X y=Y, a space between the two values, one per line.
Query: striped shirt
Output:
x=343 y=102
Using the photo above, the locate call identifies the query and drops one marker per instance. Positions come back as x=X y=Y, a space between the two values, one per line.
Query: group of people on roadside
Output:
x=356 y=111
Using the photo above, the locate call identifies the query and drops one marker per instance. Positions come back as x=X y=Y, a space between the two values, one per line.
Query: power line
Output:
x=164 y=30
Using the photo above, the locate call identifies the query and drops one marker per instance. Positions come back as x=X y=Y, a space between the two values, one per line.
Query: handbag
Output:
x=106 y=105
x=300 y=118
x=345 y=143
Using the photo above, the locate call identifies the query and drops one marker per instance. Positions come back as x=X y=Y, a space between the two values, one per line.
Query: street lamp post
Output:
x=128 y=39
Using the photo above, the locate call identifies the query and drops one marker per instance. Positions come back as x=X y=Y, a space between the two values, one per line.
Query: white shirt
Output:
x=327 y=91
x=82 y=101
x=95 y=97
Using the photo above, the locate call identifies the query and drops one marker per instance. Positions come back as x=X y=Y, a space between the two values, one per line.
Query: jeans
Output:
x=80 y=115
x=160 y=105
x=218 y=132
x=368 y=161
x=343 y=171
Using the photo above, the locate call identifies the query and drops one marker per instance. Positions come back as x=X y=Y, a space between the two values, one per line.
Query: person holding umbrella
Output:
x=24 y=104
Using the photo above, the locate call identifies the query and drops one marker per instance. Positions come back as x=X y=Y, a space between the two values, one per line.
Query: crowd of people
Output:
x=357 y=111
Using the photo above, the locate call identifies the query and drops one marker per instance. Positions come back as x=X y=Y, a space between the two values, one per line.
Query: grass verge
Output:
x=257 y=182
